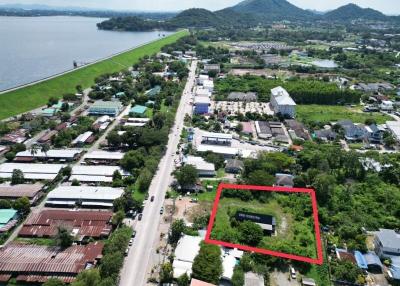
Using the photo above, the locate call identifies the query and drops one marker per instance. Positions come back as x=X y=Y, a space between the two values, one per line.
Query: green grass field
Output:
x=22 y=100
x=327 y=113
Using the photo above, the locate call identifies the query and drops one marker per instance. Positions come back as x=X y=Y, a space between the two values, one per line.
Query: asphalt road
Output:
x=138 y=262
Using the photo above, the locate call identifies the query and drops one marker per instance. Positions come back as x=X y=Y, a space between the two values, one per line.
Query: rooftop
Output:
x=104 y=155
x=63 y=153
x=389 y=238
x=196 y=282
x=31 y=171
x=6 y=215
x=106 y=104
x=81 y=223
x=18 y=191
x=85 y=192
x=138 y=109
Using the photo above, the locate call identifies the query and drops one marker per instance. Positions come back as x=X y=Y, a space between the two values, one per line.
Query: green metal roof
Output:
x=6 y=215
x=138 y=109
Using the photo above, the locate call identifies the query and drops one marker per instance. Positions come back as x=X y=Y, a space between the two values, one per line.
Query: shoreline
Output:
x=80 y=67
x=32 y=95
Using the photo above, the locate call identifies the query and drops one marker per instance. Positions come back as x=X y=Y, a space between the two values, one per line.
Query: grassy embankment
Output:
x=31 y=97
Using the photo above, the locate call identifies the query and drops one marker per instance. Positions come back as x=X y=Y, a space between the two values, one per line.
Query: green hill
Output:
x=352 y=12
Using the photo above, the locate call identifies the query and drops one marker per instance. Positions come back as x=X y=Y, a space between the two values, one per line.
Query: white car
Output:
x=292 y=273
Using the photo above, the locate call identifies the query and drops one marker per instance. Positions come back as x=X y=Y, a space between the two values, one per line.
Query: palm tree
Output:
x=34 y=149
x=45 y=148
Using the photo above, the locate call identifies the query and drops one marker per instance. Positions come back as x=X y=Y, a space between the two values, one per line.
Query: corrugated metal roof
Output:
x=84 y=192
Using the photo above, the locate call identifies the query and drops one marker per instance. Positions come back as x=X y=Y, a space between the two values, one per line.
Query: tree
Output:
x=114 y=140
x=250 y=233
x=260 y=178
x=132 y=160
x=238 y=276
x=5 y=204
x=53 y=282
x=177 y=228
x=66 y=171
x=22 y=205
x=207 y=265
x=389 y=140
x=347 y=271
x=75 y=183
x=324 y=185
x=183 y=280
x=87 y=278
x=117 y=175
x=45 y=148
x=17 y=177
x=186 y=176
x=52 y=101
x=10 y=156
x=144 y=180
x=111 y=264
x=63 y=237
x=118 y=217
x=166 y=273
x=35 y=149
x=239 y=128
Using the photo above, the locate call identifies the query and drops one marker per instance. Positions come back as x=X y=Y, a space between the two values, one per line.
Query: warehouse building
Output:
x=95 y=174
x=110 y=108
x=81 y=224
x=29 y=263
x=201 y=105
x=31 y=171
x=227 y=152
x=62 y=155
x=282 y=103
x=204 y=169
x=14 y=192
x=103 y=157
x=216 y=138
x=85 y=196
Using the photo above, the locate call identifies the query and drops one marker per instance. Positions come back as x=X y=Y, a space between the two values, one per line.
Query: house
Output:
x=85 y=196
x=298 y=129
x=308 y=282
x=82 y=139
x=284 y=180
x=8 y=219
x=201 y=92
x=95 y=174
x=111 y=108
x=212 y=67
x=372 y=87
x=152 y=93
x=14 y=192
x=267 y=222
x=14 y=137
x=46 y=138
x=247 y=128
x=209 y=85
x=138 y=111
x=49 y=112
x=325 y=134
x=242 y=96
x=81 y=224
x=228 y=265
x=204 y=169
x=253 y=279
x=374 y=134
x=282 y=103
x=36 y=263
x=61 y=155
x=263 y=130
x=373 y=262
x=352 y=132
x=136 y=122
x=187 y=249
x=227 y=152
x=31 y=171
x=234 y=166
x=343 y=255
x=201 y=105
x=387 y=243
x=202 y=78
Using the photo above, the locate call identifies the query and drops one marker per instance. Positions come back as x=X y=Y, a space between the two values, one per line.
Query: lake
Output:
x=32 y=48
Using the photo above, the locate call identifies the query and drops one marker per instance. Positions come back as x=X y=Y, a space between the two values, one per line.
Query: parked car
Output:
x=162 y=210
x=140 y=216
x=152 y=199
x=131 y=242
x=292 y=273
x=126 y=252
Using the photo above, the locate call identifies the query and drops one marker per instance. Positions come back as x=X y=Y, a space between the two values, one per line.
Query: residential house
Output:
x=8 y=219
x=284 y=180
x=187 y=249
x=352 y=132
x=234 y=166
x=138 y=111
x=204 y=169
x=212 y=67
x=325 y=134
x=111 y=108
x=387 y=243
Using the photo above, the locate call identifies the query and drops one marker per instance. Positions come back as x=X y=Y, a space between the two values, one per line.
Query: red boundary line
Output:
x=318 y=260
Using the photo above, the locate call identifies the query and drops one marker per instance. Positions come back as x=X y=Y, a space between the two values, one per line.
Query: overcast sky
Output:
x=386 y=6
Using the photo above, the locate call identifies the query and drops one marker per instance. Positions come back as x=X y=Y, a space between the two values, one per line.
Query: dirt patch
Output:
x=199 y=210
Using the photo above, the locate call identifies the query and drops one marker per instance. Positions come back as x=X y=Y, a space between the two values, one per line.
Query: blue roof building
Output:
x=373 y=262
x=110 y=108
x=153 y=92
x=361 y=262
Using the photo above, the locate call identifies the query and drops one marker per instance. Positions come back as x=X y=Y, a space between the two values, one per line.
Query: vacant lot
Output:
x=328 y=113
x=294 y=229
x=31 y=97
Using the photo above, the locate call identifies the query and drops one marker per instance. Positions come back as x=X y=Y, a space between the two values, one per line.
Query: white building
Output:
x=201 y=92
x=103 y=156
x=227 y=152
x=387 y=105
x=31 y=171
x=95 y=174
x=387 y=243
x=216 y=138
x=202 y=78
x=81 y=139
x=282 y=103
x=209 y=85
x=204 y=169
x=394 y=127
x=85 y=196
x=186 y=251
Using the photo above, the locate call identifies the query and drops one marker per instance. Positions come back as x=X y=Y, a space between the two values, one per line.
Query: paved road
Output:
x=137 y=264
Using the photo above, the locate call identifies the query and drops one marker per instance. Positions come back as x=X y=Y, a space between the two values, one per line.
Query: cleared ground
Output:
x=22 y=100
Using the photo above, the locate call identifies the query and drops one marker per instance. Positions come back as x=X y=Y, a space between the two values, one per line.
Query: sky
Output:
x=385 y=6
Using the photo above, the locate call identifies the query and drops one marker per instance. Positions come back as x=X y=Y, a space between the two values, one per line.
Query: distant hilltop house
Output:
x=282 y=103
